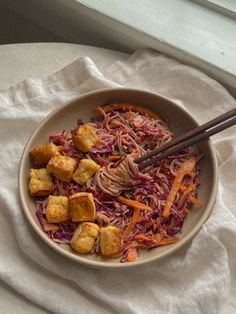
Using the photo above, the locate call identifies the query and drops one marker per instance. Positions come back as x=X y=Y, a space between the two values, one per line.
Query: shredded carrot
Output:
x=192 y=186
x=158 y=222
x=185 y=211
x=184 y=188
x=129 y=115
x=131 y=245
x=114 y=158
x=167 y=241
x=128 y=106
x=135 y=219
x=146 y=240
x=133 y=203
x=102 y=161
x=158 y=237
x=132 y=254
x=195 y=200
x=165 y=227
x=185 y=169
x=129 y=229
x=142 y=237
x=138 y=196
x=136 y=214
x=50 y=227
x=99 y=142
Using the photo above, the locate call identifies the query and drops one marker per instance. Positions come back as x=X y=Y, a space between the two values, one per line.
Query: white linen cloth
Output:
x=200 y=278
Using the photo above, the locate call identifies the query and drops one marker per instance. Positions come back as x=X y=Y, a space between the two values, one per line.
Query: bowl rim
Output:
x=107 y=264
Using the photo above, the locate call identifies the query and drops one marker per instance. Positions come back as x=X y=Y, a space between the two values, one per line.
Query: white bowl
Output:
x=177 y=119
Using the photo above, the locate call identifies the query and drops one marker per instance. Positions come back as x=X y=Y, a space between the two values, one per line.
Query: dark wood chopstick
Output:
x=200 y=129
x=190 y=138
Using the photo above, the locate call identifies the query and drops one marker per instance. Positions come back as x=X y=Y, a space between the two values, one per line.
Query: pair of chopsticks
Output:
x=192 y=137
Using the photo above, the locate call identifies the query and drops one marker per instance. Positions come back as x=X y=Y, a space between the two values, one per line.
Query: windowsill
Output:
x=186 y=30
x=183 y=29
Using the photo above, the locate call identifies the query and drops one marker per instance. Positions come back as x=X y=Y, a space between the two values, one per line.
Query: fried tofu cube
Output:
x=62 y=167
x=40 y=155
x=110 y=241
x=40 y=182
x=57 y=209
x=85 y=137
x=84 y=237
x=82 y=207
x=85 y=171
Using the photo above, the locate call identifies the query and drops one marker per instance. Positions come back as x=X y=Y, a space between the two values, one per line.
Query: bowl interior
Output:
x=177 y=119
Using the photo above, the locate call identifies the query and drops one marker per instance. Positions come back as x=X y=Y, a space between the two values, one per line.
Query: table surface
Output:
x=21 y=61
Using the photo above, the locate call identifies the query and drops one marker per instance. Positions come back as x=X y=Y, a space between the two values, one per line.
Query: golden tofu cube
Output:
x=110 y=241
x=62 y=167
x=84 y=237
x=40 y=182
x=57 y=209
x=85 y=137
x=85 y=171
x=82 y=207
x=40 y=155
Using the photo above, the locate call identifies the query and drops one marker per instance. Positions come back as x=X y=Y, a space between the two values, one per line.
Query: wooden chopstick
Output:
x=190 y=138
x=200 y=129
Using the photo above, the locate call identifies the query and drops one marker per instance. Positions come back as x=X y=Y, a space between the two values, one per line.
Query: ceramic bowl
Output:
x=178 y=121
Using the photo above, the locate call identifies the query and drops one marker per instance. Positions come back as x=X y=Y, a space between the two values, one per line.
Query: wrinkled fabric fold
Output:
x=199 y=278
